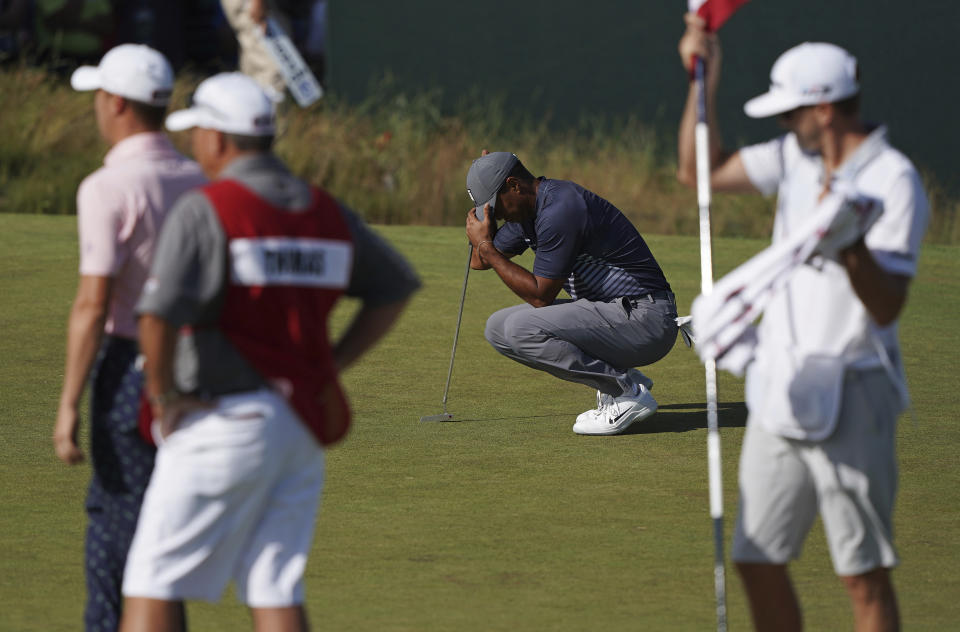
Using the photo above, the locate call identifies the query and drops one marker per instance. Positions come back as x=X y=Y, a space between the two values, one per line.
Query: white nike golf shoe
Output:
x=613 y=415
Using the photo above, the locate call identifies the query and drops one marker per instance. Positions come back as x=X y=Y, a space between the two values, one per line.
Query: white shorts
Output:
x=233 y=495
x=850 y=478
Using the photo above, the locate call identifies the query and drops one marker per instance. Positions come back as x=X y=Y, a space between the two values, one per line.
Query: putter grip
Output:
x=479 y=210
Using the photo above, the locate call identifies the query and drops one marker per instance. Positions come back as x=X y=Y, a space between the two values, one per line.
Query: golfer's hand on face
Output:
x=479 y=231
x=65 y=436
x=487 y=220
x=697 y=42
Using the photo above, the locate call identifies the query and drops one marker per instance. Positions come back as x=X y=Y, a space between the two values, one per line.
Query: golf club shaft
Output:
x=456 y=335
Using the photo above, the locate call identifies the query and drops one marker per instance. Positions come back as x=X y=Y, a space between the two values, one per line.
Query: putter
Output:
x=445 y=416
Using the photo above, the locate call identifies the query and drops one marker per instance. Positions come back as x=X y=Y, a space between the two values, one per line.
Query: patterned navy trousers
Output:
x=122 y=463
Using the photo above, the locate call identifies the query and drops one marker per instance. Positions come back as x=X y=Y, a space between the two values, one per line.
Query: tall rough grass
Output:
x=396 y=158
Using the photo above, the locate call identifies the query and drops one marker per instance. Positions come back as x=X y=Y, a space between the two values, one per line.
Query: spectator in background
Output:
x=248 y=17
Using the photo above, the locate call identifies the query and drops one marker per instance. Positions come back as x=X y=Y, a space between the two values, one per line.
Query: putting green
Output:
x=504 y=520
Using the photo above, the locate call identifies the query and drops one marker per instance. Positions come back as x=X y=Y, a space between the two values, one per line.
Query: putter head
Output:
x=479 y=210
x=440 y=417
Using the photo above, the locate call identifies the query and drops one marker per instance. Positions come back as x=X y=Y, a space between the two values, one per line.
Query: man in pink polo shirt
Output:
x=120 y=209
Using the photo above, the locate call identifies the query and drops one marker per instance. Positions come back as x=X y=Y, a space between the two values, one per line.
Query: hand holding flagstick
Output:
x=699 y=42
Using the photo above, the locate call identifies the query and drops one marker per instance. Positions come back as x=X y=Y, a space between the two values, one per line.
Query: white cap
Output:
x=811 y=73
x=133 y=71
x=230 y=102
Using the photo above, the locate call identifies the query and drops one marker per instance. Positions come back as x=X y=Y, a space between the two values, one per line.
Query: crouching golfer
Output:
x=240 y=372
x=621 y=313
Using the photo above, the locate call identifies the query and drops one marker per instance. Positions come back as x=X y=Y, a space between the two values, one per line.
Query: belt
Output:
x=651 y=297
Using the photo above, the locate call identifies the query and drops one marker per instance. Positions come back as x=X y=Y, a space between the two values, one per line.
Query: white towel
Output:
x=723 y=321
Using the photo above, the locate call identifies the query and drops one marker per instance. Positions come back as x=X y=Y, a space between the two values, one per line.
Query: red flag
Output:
x=715 y=12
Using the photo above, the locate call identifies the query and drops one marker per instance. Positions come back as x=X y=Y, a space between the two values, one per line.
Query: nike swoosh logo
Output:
x=617 y=418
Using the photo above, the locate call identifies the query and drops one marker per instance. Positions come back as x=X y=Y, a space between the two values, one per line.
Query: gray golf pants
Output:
x=588 y=342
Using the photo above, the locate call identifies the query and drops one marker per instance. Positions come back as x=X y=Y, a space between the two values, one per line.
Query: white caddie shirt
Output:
x=816 y=327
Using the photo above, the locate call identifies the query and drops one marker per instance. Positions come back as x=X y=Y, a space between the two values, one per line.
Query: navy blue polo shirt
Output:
x=582 y=238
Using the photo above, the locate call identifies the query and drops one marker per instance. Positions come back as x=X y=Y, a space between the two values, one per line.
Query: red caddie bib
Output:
x=287 y=270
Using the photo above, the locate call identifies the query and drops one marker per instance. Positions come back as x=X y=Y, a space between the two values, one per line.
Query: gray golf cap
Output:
x=485 y=177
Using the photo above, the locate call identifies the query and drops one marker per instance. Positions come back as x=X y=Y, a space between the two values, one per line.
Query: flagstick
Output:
x=706 y=287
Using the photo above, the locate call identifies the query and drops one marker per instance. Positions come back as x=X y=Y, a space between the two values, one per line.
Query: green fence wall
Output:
x=565 y=59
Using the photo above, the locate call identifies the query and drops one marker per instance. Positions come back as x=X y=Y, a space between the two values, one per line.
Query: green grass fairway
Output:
x=505 y=520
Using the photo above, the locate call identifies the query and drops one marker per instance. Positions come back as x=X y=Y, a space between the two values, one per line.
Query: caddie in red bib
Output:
x=242 y=377
x=287 y=272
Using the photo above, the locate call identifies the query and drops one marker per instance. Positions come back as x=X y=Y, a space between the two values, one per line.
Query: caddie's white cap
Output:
x=230 y=102
x=811 y=73
x=133 y=71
